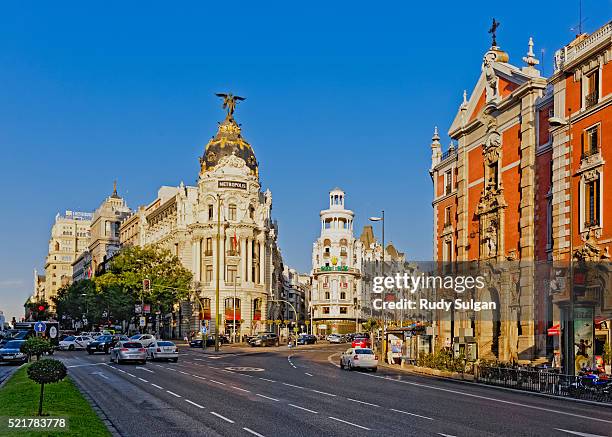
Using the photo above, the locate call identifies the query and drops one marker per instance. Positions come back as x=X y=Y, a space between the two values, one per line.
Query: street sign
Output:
x=39 y=327
x=204 y=330
x=295 y=329
x=143 y=322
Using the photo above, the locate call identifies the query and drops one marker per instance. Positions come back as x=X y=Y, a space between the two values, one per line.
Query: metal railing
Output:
x=548 y=382
x=591 y=99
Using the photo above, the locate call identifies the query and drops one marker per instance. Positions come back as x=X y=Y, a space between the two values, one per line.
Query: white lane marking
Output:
x=157 y=386
x=349 y=423
x=193 y=403
x=173 y=394
x=518 y=404
x=199 y=377
x=330 y=360
x=266 y=379
x=323 y=393
x=133 y=376
x=198 y=359
x=267 y=397
x=302 y=408
x=226 y=371
x=241 y=389
x=146 y=370
x=253 y=432
x=170 y=368
x=362 y=402
x=100 y=374
x=84 y=365
x=411 y=414
x=291 y=362
x=306 y=373
x=142 y=379
x=583 y=434
x=221 y=417
x=159 y=365
x=446 y=435
x=217 y=382
x=292 y=385
x=184 y=373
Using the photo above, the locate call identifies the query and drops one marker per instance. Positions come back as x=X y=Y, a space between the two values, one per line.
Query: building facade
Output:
x=521 y=190
x=69 y=238
x=296 y=291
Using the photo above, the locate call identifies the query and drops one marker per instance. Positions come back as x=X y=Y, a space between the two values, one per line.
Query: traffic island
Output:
x=67 y=412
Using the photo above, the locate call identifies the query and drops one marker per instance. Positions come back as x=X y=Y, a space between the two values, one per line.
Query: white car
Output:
x=162 y=350
x=359 y=358
x=144 y=339
x=73 y=342
x=335 y=338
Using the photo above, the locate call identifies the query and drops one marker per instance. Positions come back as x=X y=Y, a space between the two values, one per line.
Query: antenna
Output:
x=578 y=27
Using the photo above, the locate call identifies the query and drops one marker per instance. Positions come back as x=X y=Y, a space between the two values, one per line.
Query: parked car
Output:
x=11 y=352
x=145 y=339
x=74 y=342
x=306 y=339
x=162 y=350
x=128 y=350
x=105 y=343
x=335 y=338
x=359 y=358
x=361 y=341
x=265 y=340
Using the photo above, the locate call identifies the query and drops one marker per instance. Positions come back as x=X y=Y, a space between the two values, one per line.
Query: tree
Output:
x=75 y=300
x=36 y=346
x=38 y=310
x=43 y=372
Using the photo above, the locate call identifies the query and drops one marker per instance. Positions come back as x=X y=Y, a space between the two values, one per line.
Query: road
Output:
x=282 y=392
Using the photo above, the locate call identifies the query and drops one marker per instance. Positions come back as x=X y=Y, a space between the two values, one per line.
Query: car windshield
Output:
x=104 y=338
x=165 y=343
x=132 y=345
x=364 y=351
x=69 y=338
x=14 y=344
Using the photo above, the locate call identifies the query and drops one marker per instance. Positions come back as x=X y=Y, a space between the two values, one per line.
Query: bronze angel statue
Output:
x=229 y=102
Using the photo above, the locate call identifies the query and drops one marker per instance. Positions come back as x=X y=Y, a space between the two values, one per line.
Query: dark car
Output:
x=11 y=352
x=105 y=343
x=306 y=339
x=265 y=340
x=210 y=341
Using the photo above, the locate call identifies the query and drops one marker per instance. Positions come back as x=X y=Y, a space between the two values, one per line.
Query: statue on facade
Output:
x=229 y=102
x=490 y=76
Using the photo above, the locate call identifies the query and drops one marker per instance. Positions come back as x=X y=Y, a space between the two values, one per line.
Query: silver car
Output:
x=162 y=350
x=128 y=351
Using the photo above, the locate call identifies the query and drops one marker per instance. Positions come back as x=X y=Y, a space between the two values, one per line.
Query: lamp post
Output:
x=382 y=220
x=235 y=281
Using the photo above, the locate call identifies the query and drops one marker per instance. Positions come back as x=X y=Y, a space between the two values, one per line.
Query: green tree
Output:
x=47 y=371
x=36 y=346
x=34 y=308
x=75 y=300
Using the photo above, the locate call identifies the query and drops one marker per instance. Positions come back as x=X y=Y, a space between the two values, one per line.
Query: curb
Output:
x=101 y=414
x=513 y=390
x=7 y=376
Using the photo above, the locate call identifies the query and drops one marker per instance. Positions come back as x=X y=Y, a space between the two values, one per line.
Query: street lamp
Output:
x=235 y=281
x=382 y=220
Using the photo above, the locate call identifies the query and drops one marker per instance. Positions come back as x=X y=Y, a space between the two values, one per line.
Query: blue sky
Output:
x=343 y=94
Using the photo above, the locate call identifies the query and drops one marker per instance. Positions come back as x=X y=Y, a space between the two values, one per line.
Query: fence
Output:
x=542 y=381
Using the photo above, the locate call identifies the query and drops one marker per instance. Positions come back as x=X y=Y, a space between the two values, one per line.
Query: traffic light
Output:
x=146 y=284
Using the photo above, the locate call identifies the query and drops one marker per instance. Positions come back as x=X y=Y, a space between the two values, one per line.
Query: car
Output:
x=11 y=352
x=361 y=341
x=162 y=350
x=145 y=339
x=104 y=343
x=306 y=339
x=265 y=340
x=74 y=342
x=128 y=350
x=359 y=358
x=335 y=338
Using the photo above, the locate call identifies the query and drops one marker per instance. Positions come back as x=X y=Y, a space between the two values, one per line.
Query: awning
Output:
x=554 y=330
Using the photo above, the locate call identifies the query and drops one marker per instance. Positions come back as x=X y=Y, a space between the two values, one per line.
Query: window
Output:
x=229 y=303
x=592 y=89
x=448 y=251
x=325 y=310
x=208 y=276
x=590 y=141
x=343 y=310
x=592 y=202
x=343 y=295
x=447 y=216
x=448 y=182
x=208 y=249
x=231 y=212
x=210 y=212
x=232 y=274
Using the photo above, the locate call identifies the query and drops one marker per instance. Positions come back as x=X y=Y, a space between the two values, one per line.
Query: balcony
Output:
x=591 y=99
x=589 y=152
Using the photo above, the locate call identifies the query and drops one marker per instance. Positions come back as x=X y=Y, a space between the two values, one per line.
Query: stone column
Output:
x=199 y=260
x=243 y=259
x=194 y=257
x=262 y=261
x=249 y=274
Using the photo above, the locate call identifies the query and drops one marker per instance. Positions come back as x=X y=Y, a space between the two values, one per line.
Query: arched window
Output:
x=257 y=309
x=230 y=310
x=231 y=212
x=205 y=310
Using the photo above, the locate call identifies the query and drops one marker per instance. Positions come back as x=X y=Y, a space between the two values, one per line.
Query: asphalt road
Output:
x=283 y=392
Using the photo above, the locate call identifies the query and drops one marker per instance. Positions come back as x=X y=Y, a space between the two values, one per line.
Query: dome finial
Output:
x=530 y=59
x=229 y=103
x=436 y=136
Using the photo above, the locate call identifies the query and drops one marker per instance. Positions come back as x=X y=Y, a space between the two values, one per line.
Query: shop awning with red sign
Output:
x=554 y=330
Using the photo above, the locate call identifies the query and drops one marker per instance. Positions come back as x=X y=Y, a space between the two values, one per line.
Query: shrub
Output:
x=443 y=360
x=36 y=346
x=43 y=372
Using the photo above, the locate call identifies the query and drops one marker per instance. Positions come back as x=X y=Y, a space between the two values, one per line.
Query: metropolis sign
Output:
x=233 y=184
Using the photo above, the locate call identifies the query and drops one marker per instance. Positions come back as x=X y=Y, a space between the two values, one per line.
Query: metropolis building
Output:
x=228 y=203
